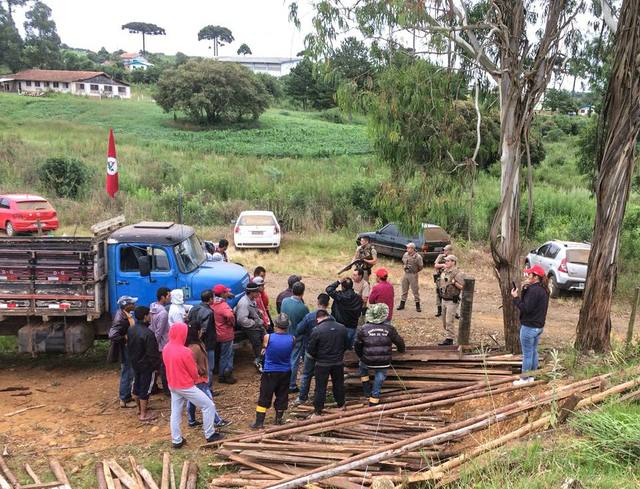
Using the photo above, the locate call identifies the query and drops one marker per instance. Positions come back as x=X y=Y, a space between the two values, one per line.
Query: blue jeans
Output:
x=211 y=359
x=351 y=337
x=126 y=376
x=307 y=374
x=226 y=358
x=379 y=376
x=296 y=355
x=529 y=339
x=191 y=408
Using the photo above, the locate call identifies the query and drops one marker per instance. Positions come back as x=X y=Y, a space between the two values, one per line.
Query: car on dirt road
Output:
x=257 y=229
x=565 y=263
x=26 y=213
x=389 y=240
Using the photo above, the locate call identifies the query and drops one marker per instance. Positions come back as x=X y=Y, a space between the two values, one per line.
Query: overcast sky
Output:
x=262 y=24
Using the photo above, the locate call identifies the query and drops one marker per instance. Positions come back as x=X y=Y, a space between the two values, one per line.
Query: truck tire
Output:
x=9 y=229
x=554 y=290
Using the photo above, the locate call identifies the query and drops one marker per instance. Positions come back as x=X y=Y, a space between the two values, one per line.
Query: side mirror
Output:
x=144 y=264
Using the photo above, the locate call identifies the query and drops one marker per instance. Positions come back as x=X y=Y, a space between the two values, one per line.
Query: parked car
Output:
x=390 y=241
x=257 y=229
x=24 y=213
x=565 y=263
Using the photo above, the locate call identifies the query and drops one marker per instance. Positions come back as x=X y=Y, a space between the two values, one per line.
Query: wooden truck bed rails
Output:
x=52 y=276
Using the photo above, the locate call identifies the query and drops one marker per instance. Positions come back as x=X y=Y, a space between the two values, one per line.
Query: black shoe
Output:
x=259 y=422
x=279 y=417
x=446 y=342
x=401 y=306
x=439 y=313
x=418 y=307
x=215 y=437
x=179 y=445
x=195 y=423
x=293 y=390
x=222 y=423
x=457 y=316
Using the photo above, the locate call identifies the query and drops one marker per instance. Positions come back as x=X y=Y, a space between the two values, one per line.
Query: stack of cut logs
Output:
x=111 y=475
x=8 y=479
x=414 y=435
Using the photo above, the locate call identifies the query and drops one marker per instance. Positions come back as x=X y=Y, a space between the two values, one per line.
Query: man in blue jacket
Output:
x=295 y=309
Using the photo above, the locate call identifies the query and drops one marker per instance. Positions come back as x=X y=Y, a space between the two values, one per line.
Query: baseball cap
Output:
x=126 y=300
x=252 y=287
x=382 y=273
x=282 y=321
x=536 y=270
x=451 y=258
x=258 y=280
x=221 y=289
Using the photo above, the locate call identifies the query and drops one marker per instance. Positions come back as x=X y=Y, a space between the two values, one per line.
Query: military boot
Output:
x=366 y=386
x=279 y=417
x=401 y=306
x=374 y=401
x=439 y=312
x=418 y=307
x=259 y=423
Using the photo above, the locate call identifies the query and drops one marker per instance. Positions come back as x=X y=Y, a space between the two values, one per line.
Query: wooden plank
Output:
x=126 y=480
x=166 y=462
x=136 y=474
x=184 y=475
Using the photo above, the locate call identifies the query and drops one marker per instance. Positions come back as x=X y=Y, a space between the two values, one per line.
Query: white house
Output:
x=273 y=66
x=89 y=83
x=586 y=111
x=135 y=61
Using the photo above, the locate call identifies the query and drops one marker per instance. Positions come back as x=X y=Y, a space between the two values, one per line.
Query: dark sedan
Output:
x=390 y=241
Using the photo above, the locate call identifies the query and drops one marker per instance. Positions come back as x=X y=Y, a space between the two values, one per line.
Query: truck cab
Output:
x=146 y=256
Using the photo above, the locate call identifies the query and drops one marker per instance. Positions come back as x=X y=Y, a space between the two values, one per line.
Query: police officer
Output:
x=412 y=263
x=451 y=283
x=368 y=254
x=439 y=268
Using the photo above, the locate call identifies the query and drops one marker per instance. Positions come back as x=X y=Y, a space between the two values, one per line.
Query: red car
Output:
x=23 y=213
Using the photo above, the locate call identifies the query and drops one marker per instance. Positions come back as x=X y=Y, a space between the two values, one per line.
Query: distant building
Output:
x=135 y=61
x=89 y=83
x=273 y=66
x=586 y=111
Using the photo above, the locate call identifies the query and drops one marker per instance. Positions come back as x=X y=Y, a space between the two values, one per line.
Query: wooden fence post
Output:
x=632 y=319
x=466 y=306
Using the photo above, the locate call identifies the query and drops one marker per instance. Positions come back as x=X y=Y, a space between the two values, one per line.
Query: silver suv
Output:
x=565 y=263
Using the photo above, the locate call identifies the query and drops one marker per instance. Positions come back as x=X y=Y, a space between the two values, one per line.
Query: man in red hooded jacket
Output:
x=225 y=321
x=182 y=374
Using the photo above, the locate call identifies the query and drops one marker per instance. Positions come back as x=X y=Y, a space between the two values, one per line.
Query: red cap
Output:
x=382 y=273
x=221 y=289
x=536 y=270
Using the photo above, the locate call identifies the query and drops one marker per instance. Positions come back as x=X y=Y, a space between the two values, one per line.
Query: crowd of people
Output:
x=186 y=345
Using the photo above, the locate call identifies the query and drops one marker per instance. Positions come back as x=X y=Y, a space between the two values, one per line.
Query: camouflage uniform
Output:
x=366 y=252
x=450 y=297
x=412 y=266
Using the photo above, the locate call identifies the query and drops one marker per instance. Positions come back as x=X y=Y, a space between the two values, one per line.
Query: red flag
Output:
x=112 y=167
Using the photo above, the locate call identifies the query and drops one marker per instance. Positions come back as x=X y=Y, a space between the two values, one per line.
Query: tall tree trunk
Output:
x=144 y=48
x=619 y=127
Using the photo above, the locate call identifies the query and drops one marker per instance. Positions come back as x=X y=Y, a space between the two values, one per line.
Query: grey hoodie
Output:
x=160 y=323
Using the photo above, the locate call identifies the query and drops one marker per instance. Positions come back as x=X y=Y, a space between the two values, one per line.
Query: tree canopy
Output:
x=307 y=85
x=218 y=34
x=146 y=29
x=42 y=43
x=10 y=42
x=244 y=49
x=210 y=91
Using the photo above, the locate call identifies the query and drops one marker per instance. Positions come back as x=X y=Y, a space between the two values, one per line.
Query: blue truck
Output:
x=58 y=294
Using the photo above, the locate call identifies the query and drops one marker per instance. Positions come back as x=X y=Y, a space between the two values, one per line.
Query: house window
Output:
x=46 y=84
x=81 y=86
x=65 y=85
x=56 y=85
x=122 y=89
x=28 y=83
x=108 y=88
x=37 y=84
x=94 y=88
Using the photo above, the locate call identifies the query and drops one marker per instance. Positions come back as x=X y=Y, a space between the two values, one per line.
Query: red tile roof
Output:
x=55 y=75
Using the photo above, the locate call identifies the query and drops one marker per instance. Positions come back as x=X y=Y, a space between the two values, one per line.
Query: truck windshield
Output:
x=189 y=254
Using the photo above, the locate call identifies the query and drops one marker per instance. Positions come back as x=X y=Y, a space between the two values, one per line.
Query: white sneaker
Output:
x=526 y=380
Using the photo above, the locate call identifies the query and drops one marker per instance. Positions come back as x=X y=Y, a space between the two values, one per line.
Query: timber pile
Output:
x=406 y=439
x=110 y=475
x=8 y=479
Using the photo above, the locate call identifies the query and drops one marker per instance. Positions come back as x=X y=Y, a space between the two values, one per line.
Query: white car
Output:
x=565 y=263
x=257 y=229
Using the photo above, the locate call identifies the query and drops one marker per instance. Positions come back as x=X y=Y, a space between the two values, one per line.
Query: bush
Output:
x=332 y=115
x=554 y=135
x=211 y=91
x=273 y=85
x=65 y=176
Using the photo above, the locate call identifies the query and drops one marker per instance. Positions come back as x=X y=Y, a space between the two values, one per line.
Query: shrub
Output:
x=65 y=176
x=554 y=135
x=332 y=115
x=211 y=91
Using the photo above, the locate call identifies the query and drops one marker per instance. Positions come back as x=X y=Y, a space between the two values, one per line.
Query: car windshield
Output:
x=34 y=205
x=435 y=233
x=578 y=255
x=256 y=220
x=189 y=253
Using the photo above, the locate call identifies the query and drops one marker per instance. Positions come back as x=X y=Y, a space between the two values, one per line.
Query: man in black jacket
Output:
x=201 y=318
x=373 y=345
x=327 y=344
x=144 y=356
x=347 y=306
x=118 y=347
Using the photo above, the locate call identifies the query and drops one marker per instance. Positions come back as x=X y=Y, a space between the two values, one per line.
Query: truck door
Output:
x=129 y=281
